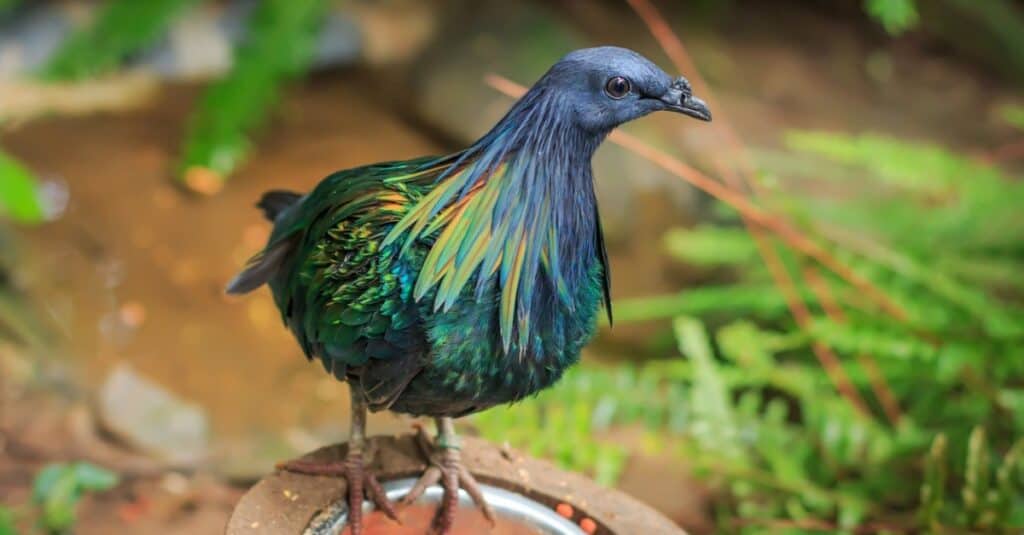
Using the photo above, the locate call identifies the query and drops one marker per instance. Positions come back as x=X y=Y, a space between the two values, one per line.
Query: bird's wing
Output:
x=347 y=297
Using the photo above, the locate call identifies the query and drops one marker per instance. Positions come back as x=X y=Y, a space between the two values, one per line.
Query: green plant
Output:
x=58 y=488
x=5 y=6
x=279 y=47
x=7 y=522
x=1012 y=115
x=896 y=16
x=582 y=407
x=121 y=28
x=19 y=193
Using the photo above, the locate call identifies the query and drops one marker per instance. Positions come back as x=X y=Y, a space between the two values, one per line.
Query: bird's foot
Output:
x=447 y=469
x=362 y=484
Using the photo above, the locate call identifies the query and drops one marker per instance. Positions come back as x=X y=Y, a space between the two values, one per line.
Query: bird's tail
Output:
x=262 y=267
x=274 y=202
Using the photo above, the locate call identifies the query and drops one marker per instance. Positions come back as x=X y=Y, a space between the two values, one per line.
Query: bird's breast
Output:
x=468 y=360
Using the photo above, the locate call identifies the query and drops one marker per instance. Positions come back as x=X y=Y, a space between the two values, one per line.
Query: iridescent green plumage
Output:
x=412 y=304
x=443 y=286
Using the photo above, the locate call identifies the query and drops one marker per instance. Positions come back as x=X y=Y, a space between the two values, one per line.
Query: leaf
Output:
x=1012 y=115
x=279 y=47
x=934 y=486
x=709 y=398
x=7 y=522
x=896 y=16
x=1010 y=478
x=710 y=246
x=94 y=478
x=976 y=477
x=46 y=480
x=121 y=28
x=747 y=345
x=60 y=502
x=879 y=340
x=5 y=6
x=762 y=300
x=59 y=486
x=915 y=166
x=19 y=193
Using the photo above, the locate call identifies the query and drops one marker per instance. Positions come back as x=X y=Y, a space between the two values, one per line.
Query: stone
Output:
x=152 y=420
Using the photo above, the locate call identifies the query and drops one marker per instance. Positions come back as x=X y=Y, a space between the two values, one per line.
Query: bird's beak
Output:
x=679 y=98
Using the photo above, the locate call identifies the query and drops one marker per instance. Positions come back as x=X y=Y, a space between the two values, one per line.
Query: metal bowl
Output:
x=506 y=504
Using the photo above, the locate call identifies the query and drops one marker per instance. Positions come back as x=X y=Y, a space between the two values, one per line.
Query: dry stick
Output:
x=834 y=312
x=674 y=49
x=829 y=361
x=676 y=52
x=787 y=233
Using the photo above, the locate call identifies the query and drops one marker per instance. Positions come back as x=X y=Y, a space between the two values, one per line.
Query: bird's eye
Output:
x=617 y=87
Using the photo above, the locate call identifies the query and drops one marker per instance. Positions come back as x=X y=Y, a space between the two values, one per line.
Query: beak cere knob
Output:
x=679 y=98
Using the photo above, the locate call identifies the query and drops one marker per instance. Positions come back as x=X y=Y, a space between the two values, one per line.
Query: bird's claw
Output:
x=446 y=468
x=362 y=484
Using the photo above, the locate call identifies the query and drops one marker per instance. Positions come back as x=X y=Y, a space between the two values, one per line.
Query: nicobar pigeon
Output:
x=444 y=285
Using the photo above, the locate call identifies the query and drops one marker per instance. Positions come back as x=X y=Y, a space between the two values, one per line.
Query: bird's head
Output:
x=607 y=86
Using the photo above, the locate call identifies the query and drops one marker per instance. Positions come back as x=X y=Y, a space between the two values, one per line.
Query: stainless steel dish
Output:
x=507 y=504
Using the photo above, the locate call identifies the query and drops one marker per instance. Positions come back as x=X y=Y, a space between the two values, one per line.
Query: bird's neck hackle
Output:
x=517 y=208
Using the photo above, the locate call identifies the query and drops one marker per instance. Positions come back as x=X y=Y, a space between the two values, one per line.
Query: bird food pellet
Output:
x=588 y=526
x=564 y=509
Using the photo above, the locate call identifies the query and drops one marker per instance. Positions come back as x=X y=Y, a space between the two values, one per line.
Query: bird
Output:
x=441 y=286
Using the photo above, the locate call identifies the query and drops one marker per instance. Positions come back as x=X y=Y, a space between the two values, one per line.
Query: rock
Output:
x=149 y=418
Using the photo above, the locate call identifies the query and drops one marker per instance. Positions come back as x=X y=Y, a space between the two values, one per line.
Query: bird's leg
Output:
x=446 y=467
x=360 y=481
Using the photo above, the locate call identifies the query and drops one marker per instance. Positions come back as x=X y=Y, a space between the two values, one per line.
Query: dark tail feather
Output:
x=274 y=202
x=262 y=267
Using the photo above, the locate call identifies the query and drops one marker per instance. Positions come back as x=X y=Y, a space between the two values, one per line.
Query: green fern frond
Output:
x=711 y=246
x=1012 y=115
x=8 y=5
x=896 y=16
x=19 y=192
x=279 y=47
x=762 y=300
x=121 y=28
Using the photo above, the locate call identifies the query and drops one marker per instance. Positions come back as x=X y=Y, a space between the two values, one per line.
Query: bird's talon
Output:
x=376 y=493
x=444 y=459
x=468 y=482
x=362 y=485
x=430 y=477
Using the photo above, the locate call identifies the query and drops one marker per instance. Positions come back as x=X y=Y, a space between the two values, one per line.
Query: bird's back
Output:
x=345 y=296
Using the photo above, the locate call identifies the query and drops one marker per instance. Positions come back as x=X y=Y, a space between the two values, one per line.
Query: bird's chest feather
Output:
x=467 y=356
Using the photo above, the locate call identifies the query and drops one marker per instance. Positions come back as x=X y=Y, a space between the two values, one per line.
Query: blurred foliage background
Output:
x=819 y=301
